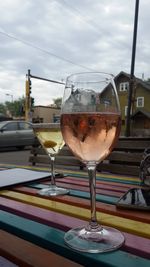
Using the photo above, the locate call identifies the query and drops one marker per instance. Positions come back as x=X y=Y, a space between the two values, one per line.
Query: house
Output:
x=80 y=98
x=45 y=114
x=140 y=123
x=140 y=106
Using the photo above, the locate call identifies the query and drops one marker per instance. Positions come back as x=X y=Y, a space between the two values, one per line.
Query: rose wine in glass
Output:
x=50 y=138
x=90 y=125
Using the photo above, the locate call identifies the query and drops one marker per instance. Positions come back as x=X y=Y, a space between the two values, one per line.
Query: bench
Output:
x=126 y=156
x=65 y=158
x=124 y=159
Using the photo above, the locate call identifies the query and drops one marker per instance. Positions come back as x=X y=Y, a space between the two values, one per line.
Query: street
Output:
x=14 y=156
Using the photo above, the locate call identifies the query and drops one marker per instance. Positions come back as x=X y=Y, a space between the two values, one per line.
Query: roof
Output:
x=50 y=107
x=141 y=112
x=145 y=84
x=122 y=73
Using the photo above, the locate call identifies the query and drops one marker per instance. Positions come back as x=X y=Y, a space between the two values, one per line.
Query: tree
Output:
x=57 y=102
x=2 y=108
x=14 y=108
x=18 y=107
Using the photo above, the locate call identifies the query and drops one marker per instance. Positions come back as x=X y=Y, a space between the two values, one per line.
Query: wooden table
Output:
x=33 y=226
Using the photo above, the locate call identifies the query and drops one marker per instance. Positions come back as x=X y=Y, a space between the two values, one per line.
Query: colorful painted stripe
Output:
x=65 y=222
x=52 y=239
x=16 y=249
x=124 y=224
x=85 y=203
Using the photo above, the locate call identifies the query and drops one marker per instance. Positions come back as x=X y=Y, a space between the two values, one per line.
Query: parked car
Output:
x=16 y=134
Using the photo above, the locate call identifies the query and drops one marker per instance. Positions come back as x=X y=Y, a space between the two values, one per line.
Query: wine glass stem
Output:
x=52 y=171
x=92 y=183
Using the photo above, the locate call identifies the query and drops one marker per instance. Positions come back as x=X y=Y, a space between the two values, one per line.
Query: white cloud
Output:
x=91 y=33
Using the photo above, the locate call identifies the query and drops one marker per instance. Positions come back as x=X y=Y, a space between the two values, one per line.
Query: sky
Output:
x=55 y=38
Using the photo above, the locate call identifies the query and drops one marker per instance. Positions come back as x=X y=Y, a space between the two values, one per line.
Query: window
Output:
x=124 y=86
x=24 y=126
x=93 y=100
x=140 y=102
x=12 y=126
x=126 y=110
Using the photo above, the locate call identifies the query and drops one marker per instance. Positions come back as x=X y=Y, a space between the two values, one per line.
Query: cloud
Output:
x=58 y=37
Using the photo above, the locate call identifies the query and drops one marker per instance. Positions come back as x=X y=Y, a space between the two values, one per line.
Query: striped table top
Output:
x=33 y=226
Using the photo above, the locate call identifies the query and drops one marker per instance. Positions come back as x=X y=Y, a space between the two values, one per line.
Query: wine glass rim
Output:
x=92 y=72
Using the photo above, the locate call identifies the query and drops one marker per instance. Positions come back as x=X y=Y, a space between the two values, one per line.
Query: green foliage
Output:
x=2 y=108
x=57 y=102
x=15 y=108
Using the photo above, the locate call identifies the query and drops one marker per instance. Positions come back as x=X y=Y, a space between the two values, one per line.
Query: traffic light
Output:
x=21 y=110
x=30 y=86
x=32 y=102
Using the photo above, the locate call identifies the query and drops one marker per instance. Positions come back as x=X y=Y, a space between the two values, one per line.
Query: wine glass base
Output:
x=103 y=240
x=53 y=191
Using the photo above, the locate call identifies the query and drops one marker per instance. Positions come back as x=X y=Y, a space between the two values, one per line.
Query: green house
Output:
x=140 y=105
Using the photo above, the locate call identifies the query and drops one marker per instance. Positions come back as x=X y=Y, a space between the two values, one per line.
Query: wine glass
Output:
x=50 y=137
x=90 y=125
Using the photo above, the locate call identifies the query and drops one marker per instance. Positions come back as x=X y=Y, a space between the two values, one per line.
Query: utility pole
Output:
x=28 y=98
x=127 y=132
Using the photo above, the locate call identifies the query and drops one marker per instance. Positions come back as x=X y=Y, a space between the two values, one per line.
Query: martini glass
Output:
x=50 y=138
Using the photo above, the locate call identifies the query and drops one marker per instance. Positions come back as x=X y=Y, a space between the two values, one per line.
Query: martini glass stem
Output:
x=52 y=160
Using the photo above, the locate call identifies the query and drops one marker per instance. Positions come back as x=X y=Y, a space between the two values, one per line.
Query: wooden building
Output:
x=140 y=103
x=140 y=108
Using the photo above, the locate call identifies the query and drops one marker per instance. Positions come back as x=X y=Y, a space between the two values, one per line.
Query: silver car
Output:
x=16 y=134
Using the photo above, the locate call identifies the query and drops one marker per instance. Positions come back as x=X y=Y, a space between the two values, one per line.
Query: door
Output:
x=9 y=134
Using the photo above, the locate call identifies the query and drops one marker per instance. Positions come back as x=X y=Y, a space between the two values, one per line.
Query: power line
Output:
x=86 y=19
x=44 y=51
